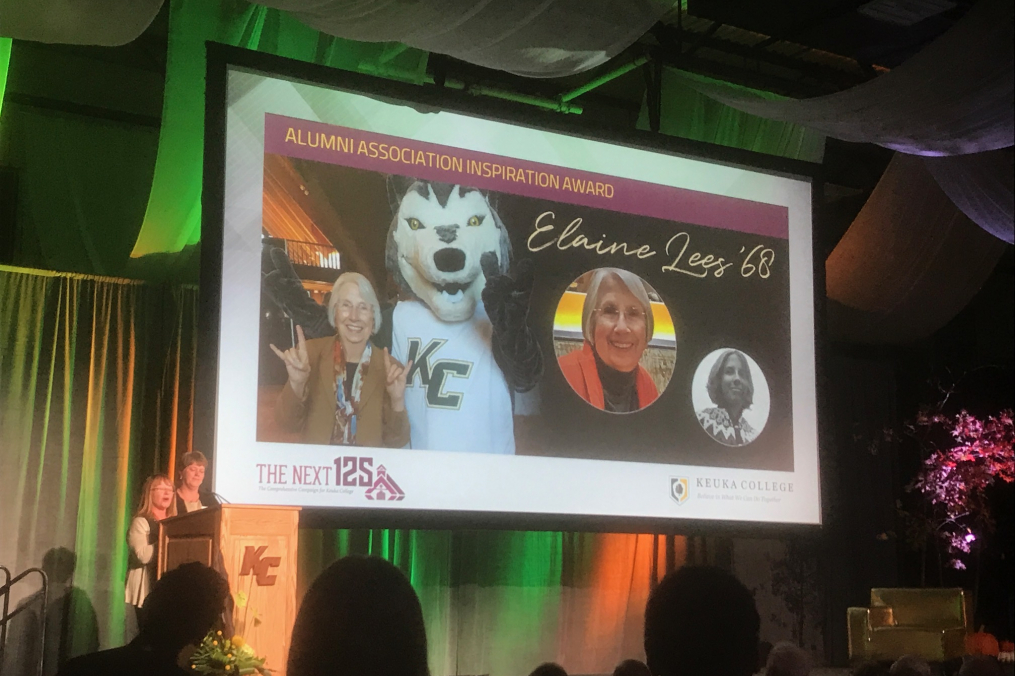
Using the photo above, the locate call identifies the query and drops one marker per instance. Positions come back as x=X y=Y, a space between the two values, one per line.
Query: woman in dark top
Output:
x=189 y=496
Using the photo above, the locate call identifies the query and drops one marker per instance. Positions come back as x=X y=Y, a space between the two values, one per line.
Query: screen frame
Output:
x=220 y=58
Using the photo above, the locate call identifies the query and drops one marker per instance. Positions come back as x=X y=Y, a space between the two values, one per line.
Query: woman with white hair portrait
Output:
x=617 y=325
x=730 y=387
x=341 y=390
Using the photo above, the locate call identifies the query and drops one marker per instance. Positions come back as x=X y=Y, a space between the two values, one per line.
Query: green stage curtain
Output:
x=89 y=379
x=689 y=114
x=172 y=221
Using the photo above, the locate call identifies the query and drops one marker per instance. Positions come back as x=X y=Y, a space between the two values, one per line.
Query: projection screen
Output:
x=428 y=311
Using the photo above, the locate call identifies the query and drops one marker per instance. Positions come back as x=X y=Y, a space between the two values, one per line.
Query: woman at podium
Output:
x=143 y=540
x=341 y=389
x=189 y=496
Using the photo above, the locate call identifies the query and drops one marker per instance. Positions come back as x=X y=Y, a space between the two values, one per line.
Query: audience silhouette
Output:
x=181 y=608
x=701 y=621
x=632 y=668
x=549 y=669
x=872 y=669
x=910 y=665
x=360 y=617
x=786 y=659
x=980 y=665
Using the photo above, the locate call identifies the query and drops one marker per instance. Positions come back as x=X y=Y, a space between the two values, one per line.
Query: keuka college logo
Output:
x=384 y=487
x=680 y=489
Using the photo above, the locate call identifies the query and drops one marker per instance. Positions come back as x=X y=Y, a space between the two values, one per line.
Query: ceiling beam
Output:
x=741 y=76
x=671 y=37
x=820 y=19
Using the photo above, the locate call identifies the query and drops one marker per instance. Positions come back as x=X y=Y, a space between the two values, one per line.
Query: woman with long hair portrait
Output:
x=158 y=502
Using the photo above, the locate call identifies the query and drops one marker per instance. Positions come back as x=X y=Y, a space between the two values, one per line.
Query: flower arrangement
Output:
x=221 y=656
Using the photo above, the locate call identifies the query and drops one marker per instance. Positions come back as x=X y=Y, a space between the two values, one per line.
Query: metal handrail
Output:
x=313 y=254
x=5 y=618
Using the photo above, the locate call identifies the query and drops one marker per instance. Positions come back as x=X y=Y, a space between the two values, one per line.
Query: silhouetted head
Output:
x=360 y=617
x=548 y=669
x=632 y=668
x=980 y=665
x=701 y=621
x=871 y=669
x=910 y=665
x=787 y=659
x=58 y=564
x=183 y=606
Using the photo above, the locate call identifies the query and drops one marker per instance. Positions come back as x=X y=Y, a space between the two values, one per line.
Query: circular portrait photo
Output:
x=614 y=340
x=730 y=397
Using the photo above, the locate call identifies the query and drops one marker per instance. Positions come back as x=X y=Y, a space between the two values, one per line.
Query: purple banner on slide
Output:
x=435 y=162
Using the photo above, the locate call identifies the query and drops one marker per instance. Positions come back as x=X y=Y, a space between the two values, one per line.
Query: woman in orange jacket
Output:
x=617 y=326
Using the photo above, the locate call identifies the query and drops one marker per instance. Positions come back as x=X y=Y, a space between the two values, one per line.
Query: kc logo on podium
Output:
x=680 y=490
x=255 y=562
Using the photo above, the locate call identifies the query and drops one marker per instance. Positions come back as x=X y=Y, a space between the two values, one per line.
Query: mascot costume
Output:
x=461 y=318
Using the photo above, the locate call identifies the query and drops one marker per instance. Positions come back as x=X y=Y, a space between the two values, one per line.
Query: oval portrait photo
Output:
x=730 y=397
x=614 y=340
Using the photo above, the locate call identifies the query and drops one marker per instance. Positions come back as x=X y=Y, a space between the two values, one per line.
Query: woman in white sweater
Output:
x=157 y=502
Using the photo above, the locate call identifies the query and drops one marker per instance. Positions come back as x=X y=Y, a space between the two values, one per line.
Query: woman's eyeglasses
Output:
x=611 y=314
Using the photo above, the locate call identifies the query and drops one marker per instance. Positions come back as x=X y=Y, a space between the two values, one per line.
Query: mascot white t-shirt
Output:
x=456 y=397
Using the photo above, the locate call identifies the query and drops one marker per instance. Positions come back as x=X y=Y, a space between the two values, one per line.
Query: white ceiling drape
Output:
x=534 y=38
x=954 y=97
x=77 y=22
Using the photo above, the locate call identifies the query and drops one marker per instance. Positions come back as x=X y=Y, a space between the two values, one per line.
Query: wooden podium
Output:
x=254 y=547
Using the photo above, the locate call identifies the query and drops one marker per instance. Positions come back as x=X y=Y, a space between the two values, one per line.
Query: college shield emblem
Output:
x=679 y=489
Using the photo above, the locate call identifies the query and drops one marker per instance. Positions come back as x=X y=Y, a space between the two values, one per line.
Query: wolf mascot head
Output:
x=437 y=241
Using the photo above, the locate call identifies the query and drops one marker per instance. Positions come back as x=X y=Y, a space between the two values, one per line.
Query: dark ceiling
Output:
x=884 y=32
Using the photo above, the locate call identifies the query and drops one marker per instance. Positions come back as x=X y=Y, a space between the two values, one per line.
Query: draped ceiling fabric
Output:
x=172 y=221
x=688 y=113
x=77 y=22
x=910 y=261
x=954 y=97
x=83 y=187
x=981 y=184
x=533 y=38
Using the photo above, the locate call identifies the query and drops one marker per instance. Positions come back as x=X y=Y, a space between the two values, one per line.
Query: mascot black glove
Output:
x=506 y=299
x=284 y=287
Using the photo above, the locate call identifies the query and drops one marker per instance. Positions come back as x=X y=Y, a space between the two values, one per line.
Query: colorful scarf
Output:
x=347 y=408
